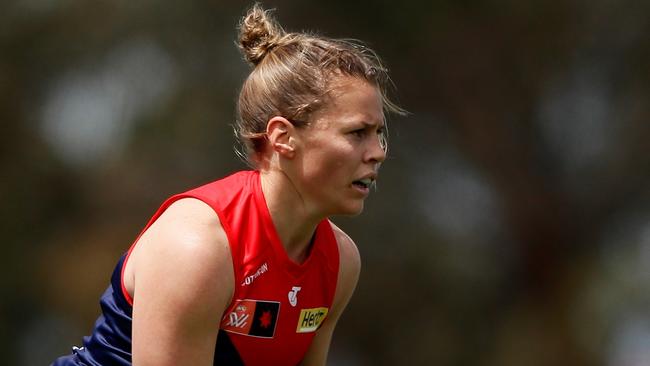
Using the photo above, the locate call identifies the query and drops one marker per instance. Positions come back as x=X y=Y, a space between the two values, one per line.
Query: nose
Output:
x=376 y=152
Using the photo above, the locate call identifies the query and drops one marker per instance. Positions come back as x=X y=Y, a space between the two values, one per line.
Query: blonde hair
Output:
x=292 y=75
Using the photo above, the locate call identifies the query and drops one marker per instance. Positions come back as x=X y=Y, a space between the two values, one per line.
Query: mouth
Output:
x=364 y=184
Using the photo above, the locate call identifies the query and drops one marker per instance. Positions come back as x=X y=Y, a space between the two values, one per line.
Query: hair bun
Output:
x=258 y=34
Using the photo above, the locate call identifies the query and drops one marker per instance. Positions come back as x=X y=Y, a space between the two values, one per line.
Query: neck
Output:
x=293 y=221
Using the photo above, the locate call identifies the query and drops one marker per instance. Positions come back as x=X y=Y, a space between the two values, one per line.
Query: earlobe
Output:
x=283 y=148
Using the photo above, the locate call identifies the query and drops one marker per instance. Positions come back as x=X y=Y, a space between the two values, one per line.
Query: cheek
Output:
x=326 y=165
x=339 y=155
x=329 y=161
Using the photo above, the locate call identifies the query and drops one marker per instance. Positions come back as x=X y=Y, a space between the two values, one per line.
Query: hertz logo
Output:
x=310 y=319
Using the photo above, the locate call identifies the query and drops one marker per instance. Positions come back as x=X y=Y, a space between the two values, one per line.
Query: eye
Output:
x=359 y=132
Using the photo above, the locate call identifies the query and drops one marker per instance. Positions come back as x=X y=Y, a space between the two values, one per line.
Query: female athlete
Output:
x=248 y=270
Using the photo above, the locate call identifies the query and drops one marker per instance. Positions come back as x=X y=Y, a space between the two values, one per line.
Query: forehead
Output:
x=351 y=100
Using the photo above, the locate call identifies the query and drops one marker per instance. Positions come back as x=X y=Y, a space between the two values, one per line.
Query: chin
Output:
x=351 y=210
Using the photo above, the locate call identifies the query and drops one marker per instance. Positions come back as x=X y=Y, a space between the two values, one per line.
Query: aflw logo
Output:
x=237 y=320
x=256 y=318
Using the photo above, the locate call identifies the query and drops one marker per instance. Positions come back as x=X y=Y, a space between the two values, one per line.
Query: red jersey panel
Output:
x=278 y=304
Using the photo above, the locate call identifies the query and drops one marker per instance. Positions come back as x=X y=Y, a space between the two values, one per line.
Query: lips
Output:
x=363 y=183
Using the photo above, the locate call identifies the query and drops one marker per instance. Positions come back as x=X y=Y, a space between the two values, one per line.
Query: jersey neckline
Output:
x=294 y=268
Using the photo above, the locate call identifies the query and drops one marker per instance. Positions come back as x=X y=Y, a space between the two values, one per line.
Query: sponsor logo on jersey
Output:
x=260 y=271
x=293 y=295
x=310 y=319
x=254 y=318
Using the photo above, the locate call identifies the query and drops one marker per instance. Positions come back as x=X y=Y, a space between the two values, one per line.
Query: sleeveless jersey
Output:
x=277 y=304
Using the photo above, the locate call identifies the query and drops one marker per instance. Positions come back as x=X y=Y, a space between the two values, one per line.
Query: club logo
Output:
x=310 y=319
x=254 y=318
x=293 y=295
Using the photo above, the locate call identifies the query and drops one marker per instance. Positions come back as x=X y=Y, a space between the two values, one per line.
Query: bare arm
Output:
x=181 y=278
x=349 y=268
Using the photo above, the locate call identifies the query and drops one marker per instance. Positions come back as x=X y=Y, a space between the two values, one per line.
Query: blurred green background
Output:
x=512 y=221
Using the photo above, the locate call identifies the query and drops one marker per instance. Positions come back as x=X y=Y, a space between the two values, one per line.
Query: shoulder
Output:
x=189 y=240
x=188 y=225
x=190 y=211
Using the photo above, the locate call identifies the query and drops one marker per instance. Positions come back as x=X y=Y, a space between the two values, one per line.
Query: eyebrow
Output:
x=381 y=124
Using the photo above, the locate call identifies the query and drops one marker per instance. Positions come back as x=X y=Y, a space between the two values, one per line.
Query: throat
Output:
x=293 y=223
x=300 y=253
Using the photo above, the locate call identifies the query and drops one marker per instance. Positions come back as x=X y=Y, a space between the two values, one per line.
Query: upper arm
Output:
x=349 y=269
x=182 y=280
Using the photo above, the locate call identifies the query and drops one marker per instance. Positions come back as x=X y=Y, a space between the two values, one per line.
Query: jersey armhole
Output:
x=335 y=252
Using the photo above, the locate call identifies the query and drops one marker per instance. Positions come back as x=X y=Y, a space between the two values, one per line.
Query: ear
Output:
x=280 y=131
